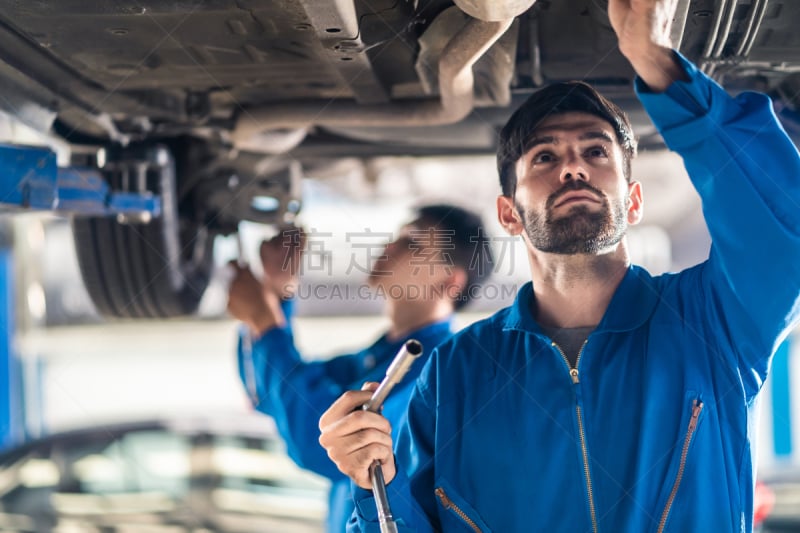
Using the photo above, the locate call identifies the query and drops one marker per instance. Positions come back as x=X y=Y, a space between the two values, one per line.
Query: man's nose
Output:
x=573 y=169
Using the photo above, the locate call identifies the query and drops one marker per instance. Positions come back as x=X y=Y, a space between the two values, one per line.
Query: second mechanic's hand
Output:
x=355 y=438
x=248 y=302
x=281 y=258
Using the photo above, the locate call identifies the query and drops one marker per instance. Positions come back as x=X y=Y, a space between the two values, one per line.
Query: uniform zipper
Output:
x=697 y=407
x=449 y=505
x=573 y=373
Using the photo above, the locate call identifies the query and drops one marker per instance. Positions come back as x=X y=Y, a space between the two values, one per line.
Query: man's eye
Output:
x=597 y=151
x=543 y=157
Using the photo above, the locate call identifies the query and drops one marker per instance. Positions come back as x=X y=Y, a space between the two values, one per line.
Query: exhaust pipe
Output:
x=456 y=86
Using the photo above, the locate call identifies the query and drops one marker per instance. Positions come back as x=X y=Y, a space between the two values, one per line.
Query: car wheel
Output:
x=133 y=269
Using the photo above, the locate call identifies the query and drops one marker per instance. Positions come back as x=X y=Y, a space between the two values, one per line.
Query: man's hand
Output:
x=260 y=310
x=355 y=438
x=643 y=30
x=281 y=258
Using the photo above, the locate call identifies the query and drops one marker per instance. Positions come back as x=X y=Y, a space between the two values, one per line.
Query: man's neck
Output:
x=406 y=316
x=575 y=290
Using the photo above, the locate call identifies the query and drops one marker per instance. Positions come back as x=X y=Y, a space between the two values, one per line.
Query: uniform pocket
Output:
x=690 y=421
x=456 y=512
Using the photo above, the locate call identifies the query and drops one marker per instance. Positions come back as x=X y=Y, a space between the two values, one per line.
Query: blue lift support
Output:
x=30 y=179
x=10 y=405
x=782 y=402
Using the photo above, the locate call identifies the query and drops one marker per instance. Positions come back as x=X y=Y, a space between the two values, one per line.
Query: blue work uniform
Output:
x=297 y=392
x=653 y=428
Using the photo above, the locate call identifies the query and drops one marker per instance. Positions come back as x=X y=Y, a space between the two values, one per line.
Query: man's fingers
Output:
x=370 y=386
x=343 y=445
x=359 y=462
x=354 y=422
x=356 y=441
x=345 y=404
x=354 y=438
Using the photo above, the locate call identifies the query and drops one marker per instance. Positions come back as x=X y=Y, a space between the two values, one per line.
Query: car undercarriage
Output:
x=216 y=105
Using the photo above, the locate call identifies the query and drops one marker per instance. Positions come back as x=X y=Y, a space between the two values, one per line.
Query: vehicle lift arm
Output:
x=30 y=179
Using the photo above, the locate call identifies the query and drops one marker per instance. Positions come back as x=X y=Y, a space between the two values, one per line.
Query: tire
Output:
x=158 y=269
x=127 y=274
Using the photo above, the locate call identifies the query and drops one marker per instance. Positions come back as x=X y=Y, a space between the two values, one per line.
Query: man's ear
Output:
x=456 y=282
x=635 y=202
x=507 y=215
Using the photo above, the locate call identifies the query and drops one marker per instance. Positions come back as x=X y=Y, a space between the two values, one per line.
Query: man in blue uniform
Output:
x=605 y=399
x=431 y=269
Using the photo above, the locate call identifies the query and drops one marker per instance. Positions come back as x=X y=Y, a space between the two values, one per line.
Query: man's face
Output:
x=418 y=256
x=571 y=193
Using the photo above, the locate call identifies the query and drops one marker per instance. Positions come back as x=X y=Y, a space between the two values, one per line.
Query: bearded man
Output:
x=605 y=399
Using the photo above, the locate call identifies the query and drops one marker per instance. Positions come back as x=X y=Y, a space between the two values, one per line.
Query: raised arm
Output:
x=294 y=392
x=747 y=172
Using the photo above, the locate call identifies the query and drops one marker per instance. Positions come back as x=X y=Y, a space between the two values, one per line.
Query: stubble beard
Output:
x=581 y=231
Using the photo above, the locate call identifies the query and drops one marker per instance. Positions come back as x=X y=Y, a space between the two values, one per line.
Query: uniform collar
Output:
x=630 y=307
